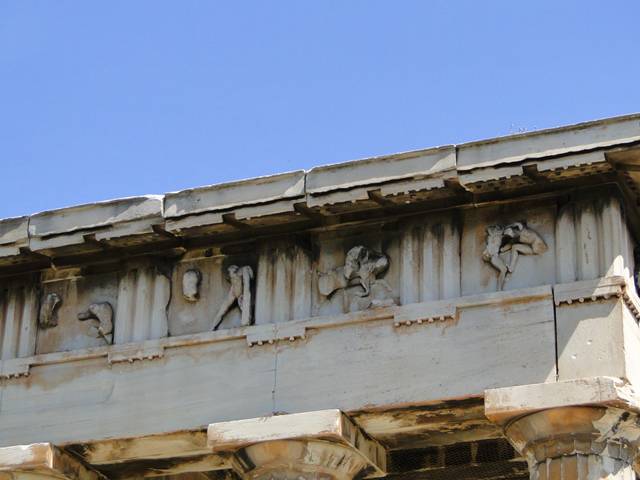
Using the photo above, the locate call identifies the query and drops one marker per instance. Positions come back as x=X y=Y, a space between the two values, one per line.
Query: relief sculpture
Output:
x=515 y=238
x=191 y=280
x=49 y=311
x=239 y=294
x=359 y=279
x=101 y=316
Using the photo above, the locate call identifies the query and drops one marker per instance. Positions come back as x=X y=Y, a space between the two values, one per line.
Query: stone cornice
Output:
x=538 y=162
x=598 y=290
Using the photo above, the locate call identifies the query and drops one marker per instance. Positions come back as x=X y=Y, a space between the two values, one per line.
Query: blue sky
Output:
x=100 y=100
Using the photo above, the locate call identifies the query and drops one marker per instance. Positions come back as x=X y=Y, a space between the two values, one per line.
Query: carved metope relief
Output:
x=49 y=311
x=239 y=293
x=191 y=280
x=361 y=269
x=515 y=238
x=101 y=317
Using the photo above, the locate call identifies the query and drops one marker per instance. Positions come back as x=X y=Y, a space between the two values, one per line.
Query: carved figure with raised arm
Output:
x=491 y=253
x=521 y=240
x=516 y=238
x=239 y=293
x=362 y=267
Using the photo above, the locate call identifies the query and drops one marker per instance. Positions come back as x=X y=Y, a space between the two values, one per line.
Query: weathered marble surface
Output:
x=363 y=359
x=77 y=293
x=42 y=461
x=18 y=321
x=583 y=429
x=298 y=446
x=13 y=235
x=426 y=258
x=396 y=289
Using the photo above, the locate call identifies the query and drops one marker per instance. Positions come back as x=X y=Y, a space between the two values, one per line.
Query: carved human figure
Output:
x=331 y=281
x=491 y=253
x=521 y=240
x=365 y=265
x=362 y=268
x=191 y=280
x=239 y=293
x=102 y=316
x=516 y=238
x=49 y=311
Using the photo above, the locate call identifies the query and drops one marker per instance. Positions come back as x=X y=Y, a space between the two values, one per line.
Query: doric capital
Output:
x=583 y=429
x=42 y=461
x=311 y=445
x=575 y=435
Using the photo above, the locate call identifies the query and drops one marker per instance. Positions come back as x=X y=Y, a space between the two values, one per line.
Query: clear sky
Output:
x=105 y=99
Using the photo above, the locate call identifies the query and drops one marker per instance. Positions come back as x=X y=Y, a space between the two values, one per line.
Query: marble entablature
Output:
x=338 y=322
x=392 y=231
x=421 y=258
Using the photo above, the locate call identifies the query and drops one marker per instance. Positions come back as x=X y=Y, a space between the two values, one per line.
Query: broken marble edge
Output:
x=225 y=196
x=555 y=141
x=489 y=157
x=14 y=230
x=95 y=215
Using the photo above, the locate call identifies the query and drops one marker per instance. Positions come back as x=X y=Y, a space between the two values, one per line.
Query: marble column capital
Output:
x=582 y=429
x=312 y=445
x=566 y=431
x=42 y=461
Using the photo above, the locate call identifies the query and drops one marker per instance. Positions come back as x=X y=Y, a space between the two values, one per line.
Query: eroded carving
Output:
x=101 y=317
x=362 y=268
x=191 y=280
x=49 y=311
x=516 y=238
x=239 y=293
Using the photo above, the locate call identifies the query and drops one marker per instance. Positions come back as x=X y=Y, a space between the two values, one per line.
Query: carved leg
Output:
x=244 y=303
x=224 y=308
x=516 y=249
x=498 y=263
x=365 y=285
x=244 y=300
